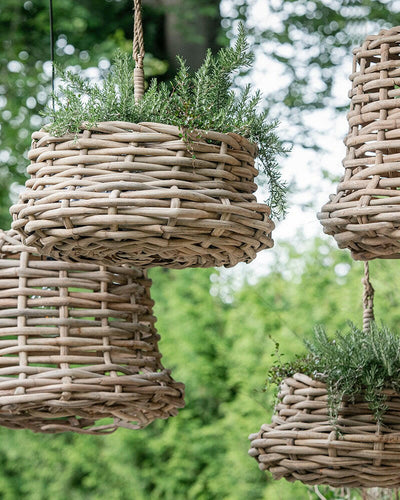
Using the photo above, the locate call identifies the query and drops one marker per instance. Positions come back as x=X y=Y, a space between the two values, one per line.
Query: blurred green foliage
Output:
x=215 y=338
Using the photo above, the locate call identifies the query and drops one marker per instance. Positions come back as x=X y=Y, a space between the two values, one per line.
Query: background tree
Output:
x=309 y=41
x=215 y=335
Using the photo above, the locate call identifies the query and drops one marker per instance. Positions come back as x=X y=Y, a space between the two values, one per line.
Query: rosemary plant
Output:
x=353 y=364
x=204 y=100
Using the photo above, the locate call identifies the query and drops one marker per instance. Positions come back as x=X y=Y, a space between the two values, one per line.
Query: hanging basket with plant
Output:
x=78 y=345
x=164 y=177
x=363 y=215
x=337 y=419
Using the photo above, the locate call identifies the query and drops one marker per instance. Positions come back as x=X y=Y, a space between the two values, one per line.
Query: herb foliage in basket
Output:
x=351 y=364
x=204 y=100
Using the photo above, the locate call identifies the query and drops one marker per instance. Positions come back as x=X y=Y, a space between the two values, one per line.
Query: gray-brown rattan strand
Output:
x=132 y=193
x=77 y=345
x=303 y=444
x=364 y=215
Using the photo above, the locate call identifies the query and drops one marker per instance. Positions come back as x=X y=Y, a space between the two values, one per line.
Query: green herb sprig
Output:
x=353 y=364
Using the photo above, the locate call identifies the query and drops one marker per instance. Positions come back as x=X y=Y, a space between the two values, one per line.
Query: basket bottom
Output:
x=190 y=241
x=172 y=253
x=320 y=470
x=366 y=238
x=98 y=413
x=368 y=477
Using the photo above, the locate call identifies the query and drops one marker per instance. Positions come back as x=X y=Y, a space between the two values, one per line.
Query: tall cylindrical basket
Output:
x=364 y=214
x=78 y=346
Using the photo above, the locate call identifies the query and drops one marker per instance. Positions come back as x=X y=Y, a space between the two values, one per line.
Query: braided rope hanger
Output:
x=368 y=299
x=138 y=51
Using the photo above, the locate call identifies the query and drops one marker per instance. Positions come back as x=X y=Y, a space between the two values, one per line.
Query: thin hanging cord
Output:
x=52 y=50
x=138 y=51
x=368 y=299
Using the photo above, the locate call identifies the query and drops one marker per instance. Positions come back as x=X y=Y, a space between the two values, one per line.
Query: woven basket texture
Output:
x=78 y=344
x=302 y=444
x=139 y=194
x=364 y=215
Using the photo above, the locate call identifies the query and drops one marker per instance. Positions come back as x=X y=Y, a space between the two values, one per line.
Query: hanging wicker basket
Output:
x=364 y=215
x=77 y=345
x=302 y=443
x=138 y=193
x=125 y=192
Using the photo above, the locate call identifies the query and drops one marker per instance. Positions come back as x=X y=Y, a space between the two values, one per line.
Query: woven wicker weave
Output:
x=302 y=444
x=78 y=344
x=125 y=192
x=364 y=215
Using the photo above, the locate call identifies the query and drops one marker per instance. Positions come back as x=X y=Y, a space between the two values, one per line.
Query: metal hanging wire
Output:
x=52 y=51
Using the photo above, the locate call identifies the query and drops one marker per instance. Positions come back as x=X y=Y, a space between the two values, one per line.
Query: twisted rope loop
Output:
x=368 y=299
x=138 y=51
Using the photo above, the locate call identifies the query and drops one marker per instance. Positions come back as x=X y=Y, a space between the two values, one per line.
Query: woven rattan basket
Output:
x=139 y=193
x=125 y=192
x=78 y=344
x=302 y=443
x=364 y=215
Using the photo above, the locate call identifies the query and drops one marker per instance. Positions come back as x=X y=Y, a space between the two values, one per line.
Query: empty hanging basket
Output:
x=77 y=345
x=141 y=193
x=302 y=443
x=364 y=215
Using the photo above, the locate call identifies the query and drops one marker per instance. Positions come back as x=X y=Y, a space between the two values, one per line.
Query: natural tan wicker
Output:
x=302 y=444
x=125 y=192
x=78 y=344
x=364 y=215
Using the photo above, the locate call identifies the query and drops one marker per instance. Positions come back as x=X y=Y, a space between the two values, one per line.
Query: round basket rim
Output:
x=145 y=126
